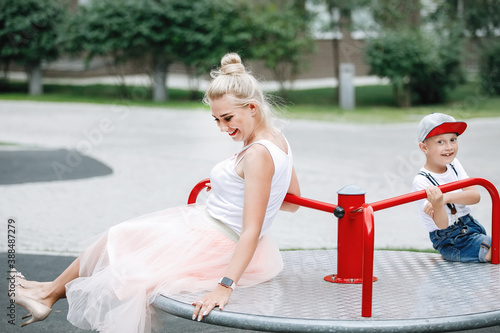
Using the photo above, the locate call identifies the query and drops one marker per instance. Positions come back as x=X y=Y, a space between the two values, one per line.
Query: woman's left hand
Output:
x=219 y=297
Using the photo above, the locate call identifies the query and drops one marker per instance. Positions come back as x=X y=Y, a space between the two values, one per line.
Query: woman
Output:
x=216 y=246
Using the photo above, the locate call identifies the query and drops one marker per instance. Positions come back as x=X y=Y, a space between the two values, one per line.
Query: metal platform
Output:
x=415 y=292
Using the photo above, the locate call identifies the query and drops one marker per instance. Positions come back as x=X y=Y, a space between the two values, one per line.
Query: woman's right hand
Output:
x=217 y=298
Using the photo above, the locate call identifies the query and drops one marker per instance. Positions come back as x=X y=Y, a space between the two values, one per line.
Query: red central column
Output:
x=350 y=237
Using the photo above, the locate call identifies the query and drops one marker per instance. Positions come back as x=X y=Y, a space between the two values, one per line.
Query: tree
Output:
x=205 y=30
x=341 y=25
x=122 y=30
x=281 y=37
x=423 y=62
x=397 y=15
x=490 y=68
x=422 y=67
x=480 y=20
x=28 y=35
x=195 y=33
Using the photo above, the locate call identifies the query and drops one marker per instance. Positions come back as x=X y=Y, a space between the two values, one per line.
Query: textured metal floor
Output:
x=414 y=292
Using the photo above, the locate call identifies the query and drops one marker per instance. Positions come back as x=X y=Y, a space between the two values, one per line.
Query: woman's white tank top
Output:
x=225 y=201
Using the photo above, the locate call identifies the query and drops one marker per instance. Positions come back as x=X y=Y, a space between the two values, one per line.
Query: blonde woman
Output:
x=213 y=247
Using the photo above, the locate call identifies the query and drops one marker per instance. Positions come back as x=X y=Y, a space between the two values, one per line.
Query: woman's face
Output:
x=238 y=122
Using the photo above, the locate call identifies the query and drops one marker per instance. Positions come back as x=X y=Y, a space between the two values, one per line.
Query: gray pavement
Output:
x=155 y=156
x=45 y=268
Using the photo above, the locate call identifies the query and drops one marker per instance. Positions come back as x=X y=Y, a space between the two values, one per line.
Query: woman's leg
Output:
x=48 y=293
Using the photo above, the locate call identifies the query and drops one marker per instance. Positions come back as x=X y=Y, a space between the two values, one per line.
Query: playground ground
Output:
x=87 y=167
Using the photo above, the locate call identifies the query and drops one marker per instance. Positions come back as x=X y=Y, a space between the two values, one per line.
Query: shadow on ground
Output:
x=26 y=166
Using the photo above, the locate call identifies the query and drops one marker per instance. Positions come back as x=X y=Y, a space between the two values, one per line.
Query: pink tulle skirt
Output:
x=173 y=251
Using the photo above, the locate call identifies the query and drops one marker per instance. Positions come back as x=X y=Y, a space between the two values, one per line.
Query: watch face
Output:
x=226 y=281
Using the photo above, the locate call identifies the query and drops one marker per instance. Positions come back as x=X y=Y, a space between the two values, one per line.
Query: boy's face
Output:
x=441 y=149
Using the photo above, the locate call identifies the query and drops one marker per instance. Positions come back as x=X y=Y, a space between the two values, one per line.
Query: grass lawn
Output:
x=374 y=104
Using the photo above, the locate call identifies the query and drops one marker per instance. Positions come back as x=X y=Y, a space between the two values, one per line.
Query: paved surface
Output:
x=157 y=155
x=44 y=268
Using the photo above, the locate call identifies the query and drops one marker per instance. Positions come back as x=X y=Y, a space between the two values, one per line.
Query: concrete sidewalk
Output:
x=181 y=81
x=46 y=268
x=157 y=156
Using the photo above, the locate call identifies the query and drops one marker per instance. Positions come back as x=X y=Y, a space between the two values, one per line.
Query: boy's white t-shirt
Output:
x=421 y=182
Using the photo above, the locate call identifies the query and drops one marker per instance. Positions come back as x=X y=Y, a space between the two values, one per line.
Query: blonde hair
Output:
x=233 y=80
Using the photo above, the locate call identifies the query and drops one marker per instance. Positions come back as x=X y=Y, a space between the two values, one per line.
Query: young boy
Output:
x=454 y=233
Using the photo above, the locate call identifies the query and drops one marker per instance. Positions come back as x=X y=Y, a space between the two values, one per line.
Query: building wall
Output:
x=318 y=65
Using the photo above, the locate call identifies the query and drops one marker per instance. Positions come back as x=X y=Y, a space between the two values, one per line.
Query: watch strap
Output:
x=227 y=282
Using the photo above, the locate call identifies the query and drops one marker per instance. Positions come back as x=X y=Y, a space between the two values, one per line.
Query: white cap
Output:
x=439 y=123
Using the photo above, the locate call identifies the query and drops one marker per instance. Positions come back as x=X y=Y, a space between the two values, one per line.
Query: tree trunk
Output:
x=160 y=93
x=336 y=67
x=35 y=75
x=406 y=96
x=344 y=26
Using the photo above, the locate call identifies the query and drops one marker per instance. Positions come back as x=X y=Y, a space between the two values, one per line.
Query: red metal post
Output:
x=495 y=207
x=350 y=237
x=368 y=253
x=356 y=231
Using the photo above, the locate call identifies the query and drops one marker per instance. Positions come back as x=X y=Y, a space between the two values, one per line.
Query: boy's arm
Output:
x=468 y=196
x=435 y=208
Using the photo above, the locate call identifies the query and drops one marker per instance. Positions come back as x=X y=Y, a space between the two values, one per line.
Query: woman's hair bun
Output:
x=231 y=65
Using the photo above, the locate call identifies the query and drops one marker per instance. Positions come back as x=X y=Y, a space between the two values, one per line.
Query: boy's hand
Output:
x=435 y=198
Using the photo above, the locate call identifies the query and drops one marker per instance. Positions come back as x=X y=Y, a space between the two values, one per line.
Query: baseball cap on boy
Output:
x=439 y=123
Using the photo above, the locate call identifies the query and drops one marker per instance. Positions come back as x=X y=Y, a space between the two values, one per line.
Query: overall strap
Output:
x=455 y=170
x=435 y=183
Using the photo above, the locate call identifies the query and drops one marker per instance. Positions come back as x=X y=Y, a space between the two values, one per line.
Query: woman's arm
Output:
x=294 y=189
x=258 y=169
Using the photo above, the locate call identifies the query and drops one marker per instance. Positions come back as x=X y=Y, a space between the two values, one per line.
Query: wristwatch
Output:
x=227 y=282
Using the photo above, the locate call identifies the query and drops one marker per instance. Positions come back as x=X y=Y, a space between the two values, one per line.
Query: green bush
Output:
x=422 y=68
x=490 y=67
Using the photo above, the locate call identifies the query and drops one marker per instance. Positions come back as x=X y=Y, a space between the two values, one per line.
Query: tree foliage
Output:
x=281 y=37
x=397 y=15
x=28 y=31
x=490 y=68
x=422 y=67
x=342 y=25
x=204 y=30
x=422 y=61
x=195 y=33
x=479 y=18
x=121 y=29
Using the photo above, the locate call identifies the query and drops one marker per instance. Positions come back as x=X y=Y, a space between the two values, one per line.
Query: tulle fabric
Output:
x=172 y=251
